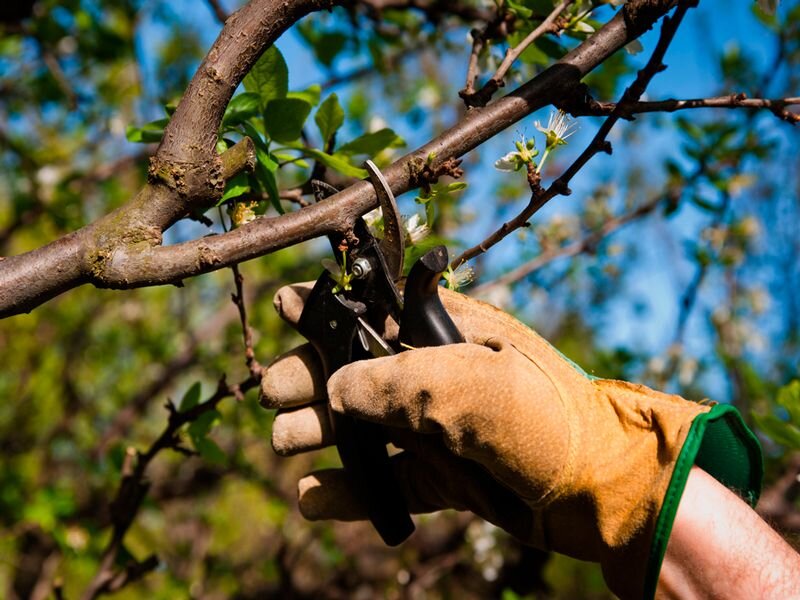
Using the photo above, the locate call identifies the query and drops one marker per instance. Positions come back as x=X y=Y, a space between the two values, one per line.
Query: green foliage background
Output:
x=86 y=376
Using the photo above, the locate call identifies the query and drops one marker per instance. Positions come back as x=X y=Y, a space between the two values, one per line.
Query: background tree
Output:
x=673 y=261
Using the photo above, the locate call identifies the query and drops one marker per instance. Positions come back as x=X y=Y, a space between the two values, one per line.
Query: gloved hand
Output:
x=506 y=427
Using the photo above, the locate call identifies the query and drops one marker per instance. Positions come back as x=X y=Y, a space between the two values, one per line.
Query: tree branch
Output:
x=133 y=489
x=483 y=95
x=219 y=12
x=740 y=100
x=122 y=250
x=247 y=333
x=560 y=186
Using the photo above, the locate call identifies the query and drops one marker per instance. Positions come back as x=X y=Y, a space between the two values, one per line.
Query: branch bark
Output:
x=628 y=110
x=123 y=250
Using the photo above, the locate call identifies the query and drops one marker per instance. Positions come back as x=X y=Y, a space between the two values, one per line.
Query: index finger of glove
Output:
x=292 y=379
x=290 y=300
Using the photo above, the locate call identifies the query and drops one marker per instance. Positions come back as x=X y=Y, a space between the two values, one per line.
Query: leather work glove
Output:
x=508 y=428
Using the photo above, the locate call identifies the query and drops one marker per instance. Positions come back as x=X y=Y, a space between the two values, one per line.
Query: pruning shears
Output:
x=345 y=324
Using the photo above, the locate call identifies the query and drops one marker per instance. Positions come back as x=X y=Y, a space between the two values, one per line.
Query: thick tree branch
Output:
x=123 y=249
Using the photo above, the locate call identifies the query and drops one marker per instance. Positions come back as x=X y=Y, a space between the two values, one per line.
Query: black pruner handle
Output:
x=362 y=448
x=424 y=320
x=329 y=323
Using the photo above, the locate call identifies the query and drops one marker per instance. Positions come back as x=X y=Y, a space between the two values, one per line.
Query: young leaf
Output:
x=201 y=427
x=210 y=451
x=265 y=171
x=327 y=46
x=778 y=431
x=284 y=118
x=372 y=143
x=329 y=117
x=311 y=94
x=241 y=108
x=337 y=162
x=192 y=397
x=254 y=134
x=269 y=77
x=150 y=133
x=235 y=187
x=789 y=398
x=519 y=10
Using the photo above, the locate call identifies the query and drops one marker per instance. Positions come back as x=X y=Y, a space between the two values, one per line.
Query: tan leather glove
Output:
x=508 y=428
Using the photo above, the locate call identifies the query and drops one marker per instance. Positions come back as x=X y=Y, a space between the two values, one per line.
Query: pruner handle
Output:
x=330 y=325
x=424 y=320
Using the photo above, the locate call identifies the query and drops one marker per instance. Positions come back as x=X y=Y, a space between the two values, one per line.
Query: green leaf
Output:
x=148 y=134
x=235 y=187
x=329 y=117
x=284 y=118
x=777 y=430
x=254 y=134
x=265 y=171
x=327 y=46
x=518 y=9
x=789 y=398
x=311 y=94
x=456 y=186
x=269 y=77
x=337 y=162
x=201 y=427
x=241 y=108
x=372 y=143
x=192 y=397
x=210 y=451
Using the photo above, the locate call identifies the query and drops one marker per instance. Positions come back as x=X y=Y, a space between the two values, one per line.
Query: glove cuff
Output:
x=721 y=444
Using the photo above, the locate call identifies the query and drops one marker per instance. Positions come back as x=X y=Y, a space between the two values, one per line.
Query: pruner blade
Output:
x=392 y=246
x=371 y=340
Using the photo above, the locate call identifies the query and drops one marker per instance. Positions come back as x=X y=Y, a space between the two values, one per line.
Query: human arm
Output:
x=720 y=548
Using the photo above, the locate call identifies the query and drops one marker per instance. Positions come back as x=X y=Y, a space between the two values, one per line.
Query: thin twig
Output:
x=740 y=100
x=58 y=589
x=133 y=488
x=218 y=11
x=551 y=24
x=294 y=195
x=560 y=186
x=478 y=42
x=586 y=244
x=247 y=333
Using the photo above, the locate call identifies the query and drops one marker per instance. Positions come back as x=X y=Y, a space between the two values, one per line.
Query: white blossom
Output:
x=559 y=128
x=415 y=229
x=462 y=276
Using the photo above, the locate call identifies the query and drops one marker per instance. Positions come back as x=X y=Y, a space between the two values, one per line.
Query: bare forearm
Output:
x=720 y=548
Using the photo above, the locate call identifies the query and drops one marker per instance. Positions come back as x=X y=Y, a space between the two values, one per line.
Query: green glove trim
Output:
x=721 y=444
